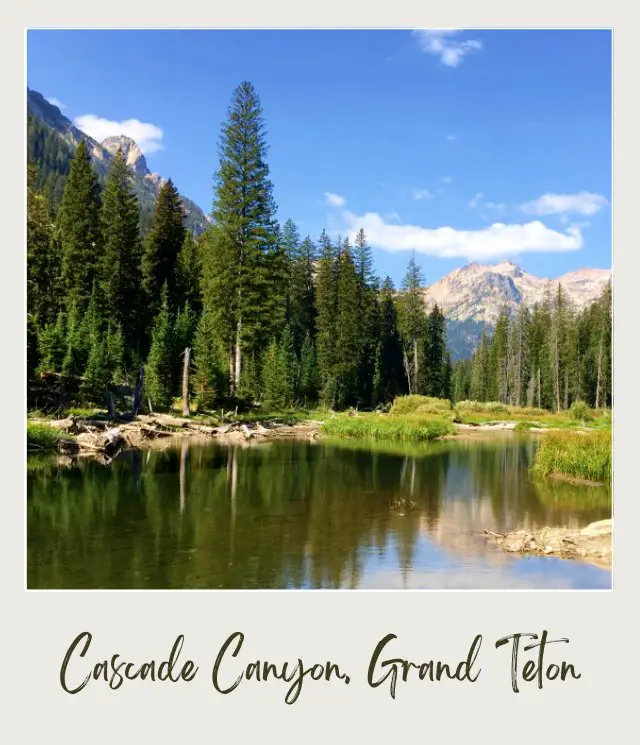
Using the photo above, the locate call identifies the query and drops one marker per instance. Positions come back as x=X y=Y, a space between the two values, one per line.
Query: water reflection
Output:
x=298 y=514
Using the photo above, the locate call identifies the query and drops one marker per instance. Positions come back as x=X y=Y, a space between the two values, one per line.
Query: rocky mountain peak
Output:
x=132 y=153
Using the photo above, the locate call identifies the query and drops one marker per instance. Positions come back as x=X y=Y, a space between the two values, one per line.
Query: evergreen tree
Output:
x=368 y=319
x=183 y=335
x=461 y=381
x=480 y=371
x=498 y=358
x=435 y=355
x=309 y=379
x=348 y=337
x=411 y=316
x=79 y=226
x=52 y=344
x=326 y=318
x=388 y=381
x=162 y=249
x=97 y=374
x=76 y=348
x=209 y=378
x=43 y=257
x=189 y=271
x=290 y=246
x=302 y=293
x=243 y=266
x=120 y=267
x=160 y=362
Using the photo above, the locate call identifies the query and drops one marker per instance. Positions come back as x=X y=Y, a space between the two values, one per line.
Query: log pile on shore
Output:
x=98 y=435
x=593 y=543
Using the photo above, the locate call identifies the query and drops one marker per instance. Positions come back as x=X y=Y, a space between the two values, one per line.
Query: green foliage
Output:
x=309 y=379
x=52 y=345
x=549 y=357
x=51 y=157
x=579 y=411
x=414 y=403
x=79 y=226
x=577 y=455
x=160 y=362
x=162 y=249
x=209 y=380
x=120 y=271
x=279 y=372
x=243 y=282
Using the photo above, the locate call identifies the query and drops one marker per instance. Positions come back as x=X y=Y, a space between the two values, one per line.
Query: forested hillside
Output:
x=51 y=142
x=272 y=318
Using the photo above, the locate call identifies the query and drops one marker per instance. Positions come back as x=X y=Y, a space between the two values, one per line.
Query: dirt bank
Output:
x=593 y=543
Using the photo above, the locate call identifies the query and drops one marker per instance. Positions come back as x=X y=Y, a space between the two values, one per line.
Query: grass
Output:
x=387 y=427
x=579 y=416
x=569 y=454
x=42 y=437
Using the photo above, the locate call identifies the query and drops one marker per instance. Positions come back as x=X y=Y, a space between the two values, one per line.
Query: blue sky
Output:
x=466 y=145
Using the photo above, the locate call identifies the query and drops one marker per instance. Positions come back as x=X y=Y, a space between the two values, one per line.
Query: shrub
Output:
x=580 y=412
x=415 y=404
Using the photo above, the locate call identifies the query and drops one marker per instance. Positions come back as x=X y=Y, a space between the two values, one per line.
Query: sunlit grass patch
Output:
x=576 y=455
x=385 y=427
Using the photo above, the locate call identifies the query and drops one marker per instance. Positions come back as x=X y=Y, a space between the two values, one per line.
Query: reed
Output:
x=385 y=427
x=576 y=455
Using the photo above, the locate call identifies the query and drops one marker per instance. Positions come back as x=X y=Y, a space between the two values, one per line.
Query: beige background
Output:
x=342 y=626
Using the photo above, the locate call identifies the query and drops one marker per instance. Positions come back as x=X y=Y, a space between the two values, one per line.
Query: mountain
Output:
x=472 y=297
x=52 y=138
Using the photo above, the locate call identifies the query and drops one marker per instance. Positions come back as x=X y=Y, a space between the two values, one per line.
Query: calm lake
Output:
x=293 y=514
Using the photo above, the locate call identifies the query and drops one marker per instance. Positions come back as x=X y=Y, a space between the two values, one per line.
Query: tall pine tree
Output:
x=243 y=282
x=79 y=225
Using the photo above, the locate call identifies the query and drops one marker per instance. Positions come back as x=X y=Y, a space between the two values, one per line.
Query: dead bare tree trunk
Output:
x=599 y=379
x=415 y=365
x=137 y=394
x=539 y=389
x=407 y=368
x=185 y=382
x=556 y=368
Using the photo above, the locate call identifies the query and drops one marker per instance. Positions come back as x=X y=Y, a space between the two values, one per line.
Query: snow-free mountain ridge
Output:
x=146 y=184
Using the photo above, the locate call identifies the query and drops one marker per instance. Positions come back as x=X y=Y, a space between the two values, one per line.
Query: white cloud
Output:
x=147 y=136
x=497 y=240
x=55 y=102
x=446 y=45
x=584 y=203
x=421 y=194
x=478 y=201
x=335 y=200
x=447 y=179
x=451 y=137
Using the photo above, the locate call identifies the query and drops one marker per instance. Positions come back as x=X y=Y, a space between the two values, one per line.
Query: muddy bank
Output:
x=592 y=544
x=106 y=438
